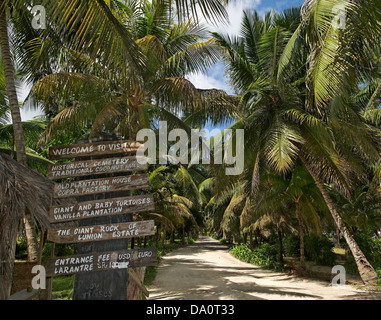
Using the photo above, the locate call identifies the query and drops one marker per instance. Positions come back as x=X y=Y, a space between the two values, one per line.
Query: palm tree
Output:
x=337 y=63
x=32 y=130
x=283 y=127
x=300 y=194
x=10 y=84
x=132 y=98
x=18 y=133
x=178 y=199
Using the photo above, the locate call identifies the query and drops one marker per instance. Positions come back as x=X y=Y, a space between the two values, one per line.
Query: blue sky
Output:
x=214 y=78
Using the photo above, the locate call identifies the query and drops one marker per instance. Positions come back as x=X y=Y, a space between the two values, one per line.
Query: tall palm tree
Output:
x=300 y=195
x=10 y=83
x=157 y=87
x=338 y=60
x=179 y=201
x=18 y=134
x=283 y=127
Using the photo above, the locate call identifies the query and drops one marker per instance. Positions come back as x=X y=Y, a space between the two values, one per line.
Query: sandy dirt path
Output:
x=206 y=270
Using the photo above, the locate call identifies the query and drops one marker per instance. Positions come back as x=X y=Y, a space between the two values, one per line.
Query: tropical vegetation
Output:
x=307 y=85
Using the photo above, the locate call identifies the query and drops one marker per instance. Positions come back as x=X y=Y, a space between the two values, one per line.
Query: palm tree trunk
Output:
x=367 y=272
x=301 y=234
x=338 y=237
x=31 y=237
x=11 y=87
x=8 y=230
x=280 y=246
x=7 y=256
x=16 y=120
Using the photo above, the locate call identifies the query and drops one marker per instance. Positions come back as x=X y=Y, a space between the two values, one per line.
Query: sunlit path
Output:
x=206 y=270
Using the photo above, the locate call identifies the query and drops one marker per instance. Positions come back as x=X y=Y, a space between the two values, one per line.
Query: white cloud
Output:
x=203 y=81
x=235 y=10
x=213 y=79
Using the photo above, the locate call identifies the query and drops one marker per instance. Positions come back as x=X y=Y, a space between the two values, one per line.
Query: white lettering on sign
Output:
x=90 y=167
x=73 y=150
x=102 y=208
x=99 y=232
x=100 y=261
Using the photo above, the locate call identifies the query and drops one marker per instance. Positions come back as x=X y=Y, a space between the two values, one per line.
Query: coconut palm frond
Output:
x=282 y=147
x=92 y=26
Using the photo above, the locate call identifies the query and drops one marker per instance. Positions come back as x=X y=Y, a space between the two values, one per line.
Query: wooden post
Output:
x=103 y=218
x=135 y=285
x=102 y=285
x=50 y=280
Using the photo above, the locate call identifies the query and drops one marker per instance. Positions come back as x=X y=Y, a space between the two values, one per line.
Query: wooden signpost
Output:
x=95 y=167
x=99 y=208
x=102 y=215
x=93 y=149
x=102 y=232
x=104 y=261
x=103 y=185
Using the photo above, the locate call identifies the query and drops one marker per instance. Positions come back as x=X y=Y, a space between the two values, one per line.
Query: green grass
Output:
x=63 y=288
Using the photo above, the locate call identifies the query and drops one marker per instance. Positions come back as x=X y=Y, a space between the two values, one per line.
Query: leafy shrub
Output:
x=266 y=255
x=21 y=248
x=291 y=245
x=319 y=250
x=59 y=250
x=242 y=252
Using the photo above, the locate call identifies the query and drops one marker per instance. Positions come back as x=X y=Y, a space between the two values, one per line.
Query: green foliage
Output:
x=267 y=255
x=63 y=287
x=319 y=250
x=242 y=252
x=370 y=246
x=291 y=245
x=59 y=250
x=21 y=247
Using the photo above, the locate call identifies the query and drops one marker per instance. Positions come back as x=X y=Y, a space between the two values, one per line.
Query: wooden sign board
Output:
x=102 y=232
x=95 y=167
x=112 y=260
x=101 y=208
x=104 y=185
x=93 y=149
